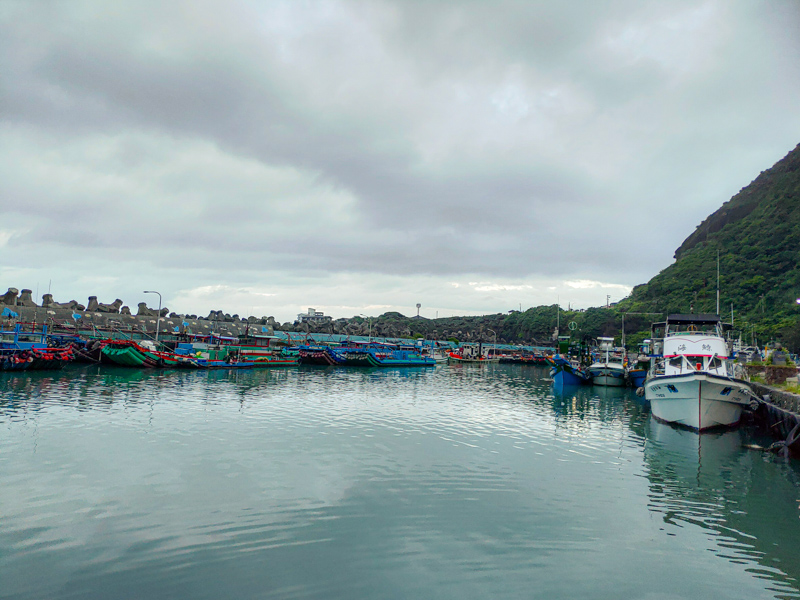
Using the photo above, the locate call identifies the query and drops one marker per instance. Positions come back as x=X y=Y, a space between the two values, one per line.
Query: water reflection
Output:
x=484 y=478
x=747 y=501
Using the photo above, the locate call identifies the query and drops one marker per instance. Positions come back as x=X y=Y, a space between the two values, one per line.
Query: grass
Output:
x=789 y=386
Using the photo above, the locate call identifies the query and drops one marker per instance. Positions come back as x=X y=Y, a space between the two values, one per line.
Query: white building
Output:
x=313 y=317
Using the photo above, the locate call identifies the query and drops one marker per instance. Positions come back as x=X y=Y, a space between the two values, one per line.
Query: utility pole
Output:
x=558 y=314
x=158 y=322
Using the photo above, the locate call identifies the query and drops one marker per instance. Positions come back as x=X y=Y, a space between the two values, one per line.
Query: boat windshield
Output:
x=693 y=328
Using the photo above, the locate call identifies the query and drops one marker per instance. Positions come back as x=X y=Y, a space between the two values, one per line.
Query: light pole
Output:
x=494 y=353
x=158 y=322
x=369 y=322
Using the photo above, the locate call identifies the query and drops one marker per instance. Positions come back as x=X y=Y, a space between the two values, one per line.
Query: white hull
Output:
x=698 y=400
x=609 y=375
x=608 y=380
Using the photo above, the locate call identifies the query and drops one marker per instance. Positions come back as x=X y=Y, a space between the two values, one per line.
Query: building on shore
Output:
x=313 y=317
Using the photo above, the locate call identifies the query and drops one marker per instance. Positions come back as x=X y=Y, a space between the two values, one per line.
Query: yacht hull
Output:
x=697 y=400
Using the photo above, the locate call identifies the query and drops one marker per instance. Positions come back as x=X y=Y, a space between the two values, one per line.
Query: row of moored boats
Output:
x=686 y=371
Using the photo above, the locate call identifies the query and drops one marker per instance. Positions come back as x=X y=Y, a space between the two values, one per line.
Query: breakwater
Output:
x=87 y=320
x=496 y=328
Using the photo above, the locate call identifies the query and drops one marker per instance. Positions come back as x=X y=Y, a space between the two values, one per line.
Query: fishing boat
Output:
x=637 y=371
x=400 y=356
x=565 y=365
x=695 y=384
x=319 y=355
x=439 y=355
x=219 y=354
x=471 y=354
x=609 y=368
x=524 y=358
x=567 y=371
x=143 y=353
x=383 y=355
x=32 y=351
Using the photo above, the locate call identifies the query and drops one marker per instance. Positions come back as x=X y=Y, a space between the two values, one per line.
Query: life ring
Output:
x=691 y=328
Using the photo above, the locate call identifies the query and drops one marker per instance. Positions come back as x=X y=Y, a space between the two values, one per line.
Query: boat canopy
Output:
x=695 y=319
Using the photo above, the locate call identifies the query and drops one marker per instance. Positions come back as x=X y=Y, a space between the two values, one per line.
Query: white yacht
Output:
x=609 y=368
x=696 y=384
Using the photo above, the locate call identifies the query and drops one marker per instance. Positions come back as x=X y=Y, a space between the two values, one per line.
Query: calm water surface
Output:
x=453 y=482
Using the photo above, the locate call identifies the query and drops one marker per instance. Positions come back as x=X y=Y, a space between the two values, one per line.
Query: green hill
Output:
x=757 y=235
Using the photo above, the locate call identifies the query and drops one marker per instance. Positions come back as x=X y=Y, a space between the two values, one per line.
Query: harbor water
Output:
x=460 y=481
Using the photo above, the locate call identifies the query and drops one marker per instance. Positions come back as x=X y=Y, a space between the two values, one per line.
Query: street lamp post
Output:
x=158 y=321
x=494 y=344
x=369 y=322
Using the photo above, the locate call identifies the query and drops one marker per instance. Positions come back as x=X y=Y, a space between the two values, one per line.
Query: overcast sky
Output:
x=358 y=157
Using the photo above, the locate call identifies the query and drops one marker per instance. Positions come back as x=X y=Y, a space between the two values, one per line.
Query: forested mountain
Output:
x=757 y=236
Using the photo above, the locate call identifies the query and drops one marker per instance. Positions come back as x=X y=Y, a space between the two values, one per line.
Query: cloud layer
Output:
x=384 y=147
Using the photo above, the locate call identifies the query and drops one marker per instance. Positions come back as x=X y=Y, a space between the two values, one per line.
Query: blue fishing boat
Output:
x=566 y=371
x=383 y=355
x=401 y=356
x=638 y=371
x=565 y=366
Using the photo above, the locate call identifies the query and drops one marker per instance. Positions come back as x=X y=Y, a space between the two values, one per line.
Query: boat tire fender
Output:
x=640 y=392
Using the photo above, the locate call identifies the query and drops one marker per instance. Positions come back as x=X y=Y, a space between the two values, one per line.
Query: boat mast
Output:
x=717 y=281
x=558 y=315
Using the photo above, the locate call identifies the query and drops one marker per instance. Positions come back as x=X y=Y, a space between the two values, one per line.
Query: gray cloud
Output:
x=402 y=139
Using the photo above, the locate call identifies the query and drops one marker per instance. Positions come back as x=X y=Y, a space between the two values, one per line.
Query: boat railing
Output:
x=658 y=366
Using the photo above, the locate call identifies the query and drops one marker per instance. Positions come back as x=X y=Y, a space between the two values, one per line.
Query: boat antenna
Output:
x=718 y=282
x=558 y=315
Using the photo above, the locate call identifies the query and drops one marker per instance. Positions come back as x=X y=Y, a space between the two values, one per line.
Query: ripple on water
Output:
x=326 y=483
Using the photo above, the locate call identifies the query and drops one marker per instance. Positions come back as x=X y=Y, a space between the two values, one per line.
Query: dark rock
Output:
x=10 y=296
x=125 y=310
x=110 y=308
x=144 y=311
x=25 y=299
x=93 y=304
x=48 y=302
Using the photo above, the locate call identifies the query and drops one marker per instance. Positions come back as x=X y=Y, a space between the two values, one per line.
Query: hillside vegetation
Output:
x=757 y=236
